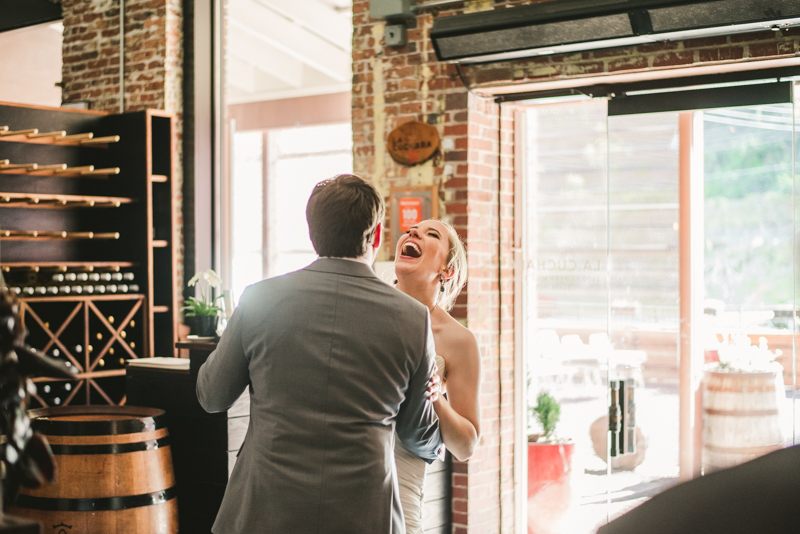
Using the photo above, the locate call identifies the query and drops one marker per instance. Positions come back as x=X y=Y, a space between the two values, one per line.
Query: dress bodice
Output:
x=411 y=474
x=440 y=364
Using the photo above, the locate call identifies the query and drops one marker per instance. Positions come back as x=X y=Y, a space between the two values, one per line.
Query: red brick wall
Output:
x=153 y=65
x=153 y=68
x=395 y=85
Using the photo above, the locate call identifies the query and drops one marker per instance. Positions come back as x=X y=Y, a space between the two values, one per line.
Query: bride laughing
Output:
x=431 y=266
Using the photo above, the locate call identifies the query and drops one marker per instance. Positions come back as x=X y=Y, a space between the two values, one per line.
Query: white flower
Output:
x=210 y=276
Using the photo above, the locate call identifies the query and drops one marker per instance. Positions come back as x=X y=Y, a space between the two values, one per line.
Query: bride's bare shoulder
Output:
x=459 y=339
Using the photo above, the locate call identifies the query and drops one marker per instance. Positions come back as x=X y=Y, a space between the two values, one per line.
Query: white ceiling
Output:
x=287 y=48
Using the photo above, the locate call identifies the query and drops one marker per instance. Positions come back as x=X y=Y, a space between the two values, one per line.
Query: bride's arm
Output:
x=459 y=414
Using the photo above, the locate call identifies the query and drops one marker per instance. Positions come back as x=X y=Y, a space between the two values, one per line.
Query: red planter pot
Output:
x=549 y=486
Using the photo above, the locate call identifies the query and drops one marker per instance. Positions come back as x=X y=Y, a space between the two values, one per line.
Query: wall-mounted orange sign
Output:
x=408 y=206
x=413 y=143
x=410 y=212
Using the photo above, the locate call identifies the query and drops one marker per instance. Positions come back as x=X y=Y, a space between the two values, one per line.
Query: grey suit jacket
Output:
x=336 y=361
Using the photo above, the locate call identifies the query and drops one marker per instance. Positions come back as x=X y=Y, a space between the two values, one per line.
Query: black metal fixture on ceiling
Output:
x=15 y=14
x=567 y=26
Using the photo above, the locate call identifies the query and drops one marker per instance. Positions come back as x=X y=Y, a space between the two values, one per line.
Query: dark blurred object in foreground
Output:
x=25 y=454
x=762 y=495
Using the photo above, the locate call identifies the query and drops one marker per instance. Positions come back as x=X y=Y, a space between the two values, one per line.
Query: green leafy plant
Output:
x=204 y=305
x=547 y=412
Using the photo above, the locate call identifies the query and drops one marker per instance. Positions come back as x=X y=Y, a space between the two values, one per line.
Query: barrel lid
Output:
x=96 y=420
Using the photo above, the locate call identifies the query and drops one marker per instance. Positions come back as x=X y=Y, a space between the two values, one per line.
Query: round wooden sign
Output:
x=413 y=143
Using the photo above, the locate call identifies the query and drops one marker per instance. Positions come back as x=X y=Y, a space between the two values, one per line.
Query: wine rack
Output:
x=88 y=240
x=95 y=334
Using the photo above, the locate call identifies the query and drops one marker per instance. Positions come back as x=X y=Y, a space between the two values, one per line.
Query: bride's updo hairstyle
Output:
x=343 y=214
x=457 y=261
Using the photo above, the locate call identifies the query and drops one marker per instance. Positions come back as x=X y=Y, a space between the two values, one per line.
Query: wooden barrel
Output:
x=741 y=417
x=113 y=468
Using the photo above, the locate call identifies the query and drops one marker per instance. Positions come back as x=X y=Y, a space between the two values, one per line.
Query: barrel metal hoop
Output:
x=96 y=504
x=764 y=449
x=55 y=427
x=111 y=448
x=741 y=413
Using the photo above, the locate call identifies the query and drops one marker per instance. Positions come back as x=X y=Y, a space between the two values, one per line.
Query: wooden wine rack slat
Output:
x=36 y=235
x=60 y=137
x=43 y=200
x=64 y=266
x=60 y=170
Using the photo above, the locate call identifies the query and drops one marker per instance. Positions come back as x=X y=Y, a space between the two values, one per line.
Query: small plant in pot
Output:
x=549 y=469
x=547 y=412
x=203 y=309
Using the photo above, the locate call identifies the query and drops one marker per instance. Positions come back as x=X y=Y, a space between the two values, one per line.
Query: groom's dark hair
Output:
x=342 y=215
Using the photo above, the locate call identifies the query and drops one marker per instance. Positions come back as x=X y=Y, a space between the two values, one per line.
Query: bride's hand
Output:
x=434 y=387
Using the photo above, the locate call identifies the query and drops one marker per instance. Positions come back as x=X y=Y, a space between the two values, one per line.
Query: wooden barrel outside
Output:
x=114 y=472
x=741 y=417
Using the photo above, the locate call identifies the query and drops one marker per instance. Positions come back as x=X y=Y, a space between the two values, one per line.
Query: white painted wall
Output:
x=30 y=65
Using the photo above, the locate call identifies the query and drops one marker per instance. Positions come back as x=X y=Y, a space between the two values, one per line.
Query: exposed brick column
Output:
x=392 y=86
x=484 y=486
x=153 y=65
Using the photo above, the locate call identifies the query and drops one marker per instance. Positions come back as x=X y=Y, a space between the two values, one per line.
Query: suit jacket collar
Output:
x=340 y=266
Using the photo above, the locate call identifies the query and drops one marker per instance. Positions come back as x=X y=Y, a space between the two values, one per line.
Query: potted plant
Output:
x=549 y=469
x=203 y=309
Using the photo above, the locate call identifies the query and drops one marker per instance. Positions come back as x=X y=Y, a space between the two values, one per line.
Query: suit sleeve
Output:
x=417 y=424
x=222 y=379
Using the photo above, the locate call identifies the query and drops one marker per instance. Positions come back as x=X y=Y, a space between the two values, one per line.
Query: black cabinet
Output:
x=204 y=445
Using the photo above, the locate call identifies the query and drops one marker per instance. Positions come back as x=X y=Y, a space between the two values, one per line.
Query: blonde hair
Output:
x=457 y=263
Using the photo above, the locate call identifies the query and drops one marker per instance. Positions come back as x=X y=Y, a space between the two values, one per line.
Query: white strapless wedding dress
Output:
x=411 y=476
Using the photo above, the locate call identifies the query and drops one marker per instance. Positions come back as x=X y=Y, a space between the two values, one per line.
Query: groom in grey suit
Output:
x=335 y=361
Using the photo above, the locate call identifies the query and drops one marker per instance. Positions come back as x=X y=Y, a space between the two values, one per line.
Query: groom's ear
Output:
x=376 y=242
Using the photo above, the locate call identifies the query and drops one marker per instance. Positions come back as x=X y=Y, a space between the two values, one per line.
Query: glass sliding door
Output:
x=749 y=269
x=659 y=252
x=643 y=317
x=565 y=308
